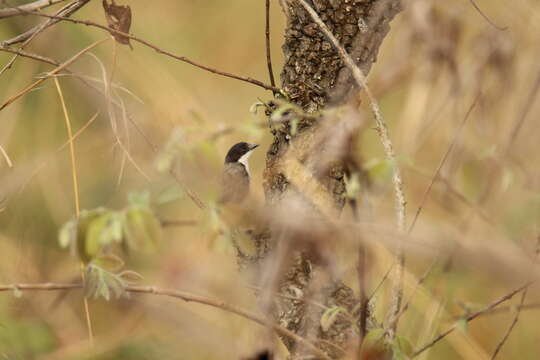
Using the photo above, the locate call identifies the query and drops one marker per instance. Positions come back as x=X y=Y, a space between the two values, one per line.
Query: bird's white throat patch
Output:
x=244 y=160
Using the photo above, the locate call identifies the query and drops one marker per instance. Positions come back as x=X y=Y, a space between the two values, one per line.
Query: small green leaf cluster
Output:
x=100 y=282
x=96 y=232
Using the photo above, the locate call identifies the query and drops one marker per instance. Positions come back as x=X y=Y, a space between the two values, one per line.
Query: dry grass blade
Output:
x=6 y=157
x=77 y=198
x=49 y=74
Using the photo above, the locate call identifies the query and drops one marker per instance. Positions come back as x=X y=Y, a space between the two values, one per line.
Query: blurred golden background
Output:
x=437 y=61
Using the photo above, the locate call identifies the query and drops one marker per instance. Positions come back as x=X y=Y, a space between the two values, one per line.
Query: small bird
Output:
x=235 y=207
x=236 y=176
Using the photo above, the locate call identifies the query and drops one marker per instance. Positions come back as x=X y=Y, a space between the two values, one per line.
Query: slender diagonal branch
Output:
x=185 y=296
x=36 y=5
x=470 y=317
x=490 y=22
x=30 y=35
x=511 y=327
x=53 y=72
x=161 y=51
x=27 y=36
x=441 y=164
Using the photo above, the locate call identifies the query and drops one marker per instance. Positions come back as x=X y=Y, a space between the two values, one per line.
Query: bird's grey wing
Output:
x=234 y=183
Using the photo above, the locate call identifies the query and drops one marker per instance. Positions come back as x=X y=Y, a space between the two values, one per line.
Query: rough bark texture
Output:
x=314 y=77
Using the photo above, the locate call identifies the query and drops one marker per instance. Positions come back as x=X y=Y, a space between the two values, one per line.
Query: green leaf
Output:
x=404 y=346
x=102 y=283
x=353 y=186
x=170 y=194
x=142 y=230
x=253 y=108
x=139 y=199
x=17 y=292
x=86 y=218
x=462 y=324
x=109 y=262
x=329 y=317
x=67 y=234
x=374 y=336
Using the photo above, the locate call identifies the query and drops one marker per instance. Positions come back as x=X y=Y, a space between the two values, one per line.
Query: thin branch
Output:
x=56 y=70
x=268 y=52
x=161 y=51
x=188 y=297
x=29 y=35
x=19 y=10
x=511 y=327
x=470 y=317
x=22 y=53
x=382 y=129
x=501 y=28
x=524 y=113
x=441 y=164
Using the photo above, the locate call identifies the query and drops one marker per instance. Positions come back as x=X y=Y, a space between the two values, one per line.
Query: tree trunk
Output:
x=314 y=78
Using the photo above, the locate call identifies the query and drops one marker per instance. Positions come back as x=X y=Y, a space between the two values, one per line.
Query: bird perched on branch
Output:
x=234 y=202
x=236 y=176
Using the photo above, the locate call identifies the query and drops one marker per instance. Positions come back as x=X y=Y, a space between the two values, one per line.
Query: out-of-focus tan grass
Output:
x=423 y=105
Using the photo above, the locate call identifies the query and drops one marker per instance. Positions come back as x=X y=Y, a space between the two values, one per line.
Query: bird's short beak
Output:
x=253 y=146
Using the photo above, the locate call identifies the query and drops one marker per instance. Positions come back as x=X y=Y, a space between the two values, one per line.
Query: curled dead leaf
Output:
x=119 y=18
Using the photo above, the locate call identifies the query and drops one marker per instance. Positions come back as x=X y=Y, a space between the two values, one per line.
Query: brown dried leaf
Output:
x=119 y=18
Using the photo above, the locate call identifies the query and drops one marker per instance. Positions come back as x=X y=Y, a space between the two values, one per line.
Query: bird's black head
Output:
x=239 y=150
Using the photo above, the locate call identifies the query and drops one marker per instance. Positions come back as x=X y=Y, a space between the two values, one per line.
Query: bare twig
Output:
x=268 y=52
x=185 y=296
x=19 y=10
x=56 y=70
x=382 y=129
x=27 y=36
x=470 y=317
x=511 y=327
x=31 y=34
x=22 y=53
x=502 y=28
x=441 y=164
x=161 y=51
x=523 y=114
